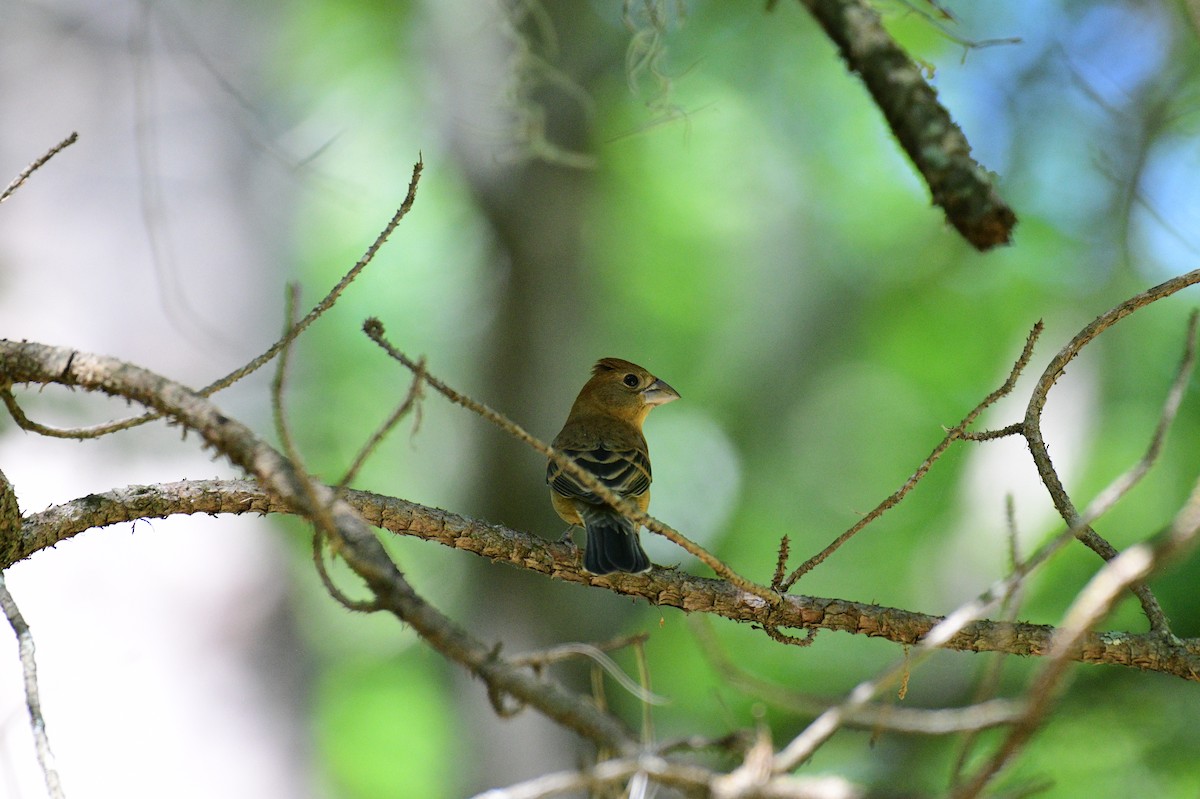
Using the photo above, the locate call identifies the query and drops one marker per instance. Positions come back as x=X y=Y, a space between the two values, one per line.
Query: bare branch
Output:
x=663 y=587
x=332 y=297
x=36 y=165
x=33 y=700
x=875 y=716
x=1094 y=602
x=1121 y=486
x=295 y=330
x=955 y=433
x=25 y=362
x=1032 y=430
x=989 y=683
x=934 y=143
x=538 y=660
x=679 y=775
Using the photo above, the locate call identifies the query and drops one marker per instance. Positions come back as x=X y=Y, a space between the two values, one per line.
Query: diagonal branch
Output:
x=1092 y=603
x=932 y=140
x=24 y=362
x=955 y=433
x=20 y=179
x=257 y=363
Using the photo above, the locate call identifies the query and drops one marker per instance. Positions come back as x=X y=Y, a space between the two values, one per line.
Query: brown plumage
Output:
x=603 y=433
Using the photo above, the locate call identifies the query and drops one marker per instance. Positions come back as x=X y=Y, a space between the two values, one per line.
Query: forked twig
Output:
x=288 y=337
x=1032 y=430
x=955 y=433
x=324 y=527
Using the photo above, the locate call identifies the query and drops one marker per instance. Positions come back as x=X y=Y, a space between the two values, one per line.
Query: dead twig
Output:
x=33 y=701
x=959 y=431
x=288 y=337
x=20 y=179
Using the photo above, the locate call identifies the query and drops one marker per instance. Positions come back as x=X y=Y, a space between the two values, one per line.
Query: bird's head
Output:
x=624 y=389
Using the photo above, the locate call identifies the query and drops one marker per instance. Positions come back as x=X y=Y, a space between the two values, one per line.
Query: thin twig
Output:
x=36 y=165
x=410 y=401
x=1094 y=602
x=690 y=779
x=1119 y=573
x=643 y=665
x=913 y=721
x=33 y=700
x=557 y=654
x=781 y=559
x=989 y=683
x=954 y=434
x=1032 y=430
x=820 y=730
x=1121 y=486
x=339 y=596
x=375 y=331
x=322 y=521
x=288 y=337
x=537 y=660
x=325 y=304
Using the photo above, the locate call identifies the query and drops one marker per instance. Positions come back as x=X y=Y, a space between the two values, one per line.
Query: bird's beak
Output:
x=658 y=393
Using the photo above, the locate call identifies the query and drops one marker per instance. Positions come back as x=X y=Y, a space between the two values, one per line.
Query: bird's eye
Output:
x=631 y=380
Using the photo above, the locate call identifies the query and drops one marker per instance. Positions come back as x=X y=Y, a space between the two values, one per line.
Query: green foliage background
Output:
x=749 y=231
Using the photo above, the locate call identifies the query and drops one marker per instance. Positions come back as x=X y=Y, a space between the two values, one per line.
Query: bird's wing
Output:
x=624 y=471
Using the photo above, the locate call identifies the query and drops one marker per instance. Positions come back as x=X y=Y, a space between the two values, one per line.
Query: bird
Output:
x=603 y=434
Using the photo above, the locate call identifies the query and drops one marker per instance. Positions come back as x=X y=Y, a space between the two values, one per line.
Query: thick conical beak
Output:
x=658 y=393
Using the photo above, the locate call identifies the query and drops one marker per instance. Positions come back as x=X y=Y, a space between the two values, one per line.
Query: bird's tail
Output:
x=612 y=544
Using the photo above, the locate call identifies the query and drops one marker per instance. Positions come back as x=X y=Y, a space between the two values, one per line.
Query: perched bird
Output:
x=603 y=434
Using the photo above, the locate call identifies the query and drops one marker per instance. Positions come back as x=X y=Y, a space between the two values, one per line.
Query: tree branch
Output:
x=33 y=701
x=663 y=587
x=958 y=432
x=24 y=362
x=1031 y=429
x=936 y=145
x=20 y=179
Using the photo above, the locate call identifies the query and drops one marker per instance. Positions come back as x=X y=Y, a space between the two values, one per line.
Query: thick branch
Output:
x=936 y=145
x=664 y=587
x=24 y=362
